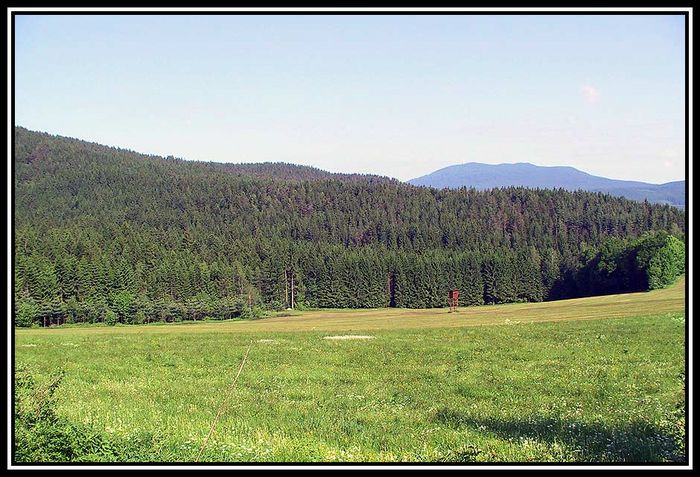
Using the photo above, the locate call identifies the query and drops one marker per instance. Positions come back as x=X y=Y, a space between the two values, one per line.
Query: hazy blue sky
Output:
x=393 y=95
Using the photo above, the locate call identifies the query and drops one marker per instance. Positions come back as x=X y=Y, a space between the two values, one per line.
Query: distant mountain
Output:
x=487 y=176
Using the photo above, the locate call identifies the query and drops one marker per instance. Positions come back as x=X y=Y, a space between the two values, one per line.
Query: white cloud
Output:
x=669 y=156
x=590 y=93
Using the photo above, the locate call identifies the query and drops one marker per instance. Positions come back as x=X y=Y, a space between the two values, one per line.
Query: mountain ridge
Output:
x=523 y=174
x=277 y=170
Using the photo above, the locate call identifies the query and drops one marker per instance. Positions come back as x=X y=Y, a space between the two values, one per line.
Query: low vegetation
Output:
x=589 y=380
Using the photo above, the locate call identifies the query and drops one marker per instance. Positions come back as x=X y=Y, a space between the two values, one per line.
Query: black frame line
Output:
x=449 y=11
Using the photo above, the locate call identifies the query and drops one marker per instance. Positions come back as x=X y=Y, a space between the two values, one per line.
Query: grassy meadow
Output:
x=588 y=380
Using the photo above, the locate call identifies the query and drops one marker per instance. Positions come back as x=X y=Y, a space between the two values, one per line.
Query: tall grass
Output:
x=603 y=391
x=539 y=387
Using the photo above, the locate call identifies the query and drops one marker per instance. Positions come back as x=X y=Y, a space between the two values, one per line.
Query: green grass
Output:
x=603 y=382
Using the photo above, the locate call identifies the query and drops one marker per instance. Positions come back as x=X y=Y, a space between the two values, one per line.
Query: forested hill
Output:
x=104 y=233
x=294 y=172
x=487 y=176
x=31 y=146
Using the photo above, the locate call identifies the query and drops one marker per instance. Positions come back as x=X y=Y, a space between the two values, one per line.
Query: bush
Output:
x=228 y=308
x=94 y=311
x=123 y=303
x=72 y=311
x=662 y=257
x=110 y=317
x=26 y=313
x=40 y=434
x=667 y=264
x=139 y=318
x=175 y=312
x=276 y=305
x=252 y=313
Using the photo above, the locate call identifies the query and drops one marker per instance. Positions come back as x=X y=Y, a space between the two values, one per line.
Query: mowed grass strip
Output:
x=579 y=390
x=667 y=300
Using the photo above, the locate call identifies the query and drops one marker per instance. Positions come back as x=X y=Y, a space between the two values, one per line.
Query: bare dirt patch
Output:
x=349 y=337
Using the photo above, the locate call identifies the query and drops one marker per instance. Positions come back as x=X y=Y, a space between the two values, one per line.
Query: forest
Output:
x=109 y=235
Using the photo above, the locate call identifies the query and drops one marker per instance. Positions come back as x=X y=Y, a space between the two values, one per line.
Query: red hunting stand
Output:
x=453 y=300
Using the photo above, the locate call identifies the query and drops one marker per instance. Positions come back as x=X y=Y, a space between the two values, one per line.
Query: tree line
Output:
x=108 y=235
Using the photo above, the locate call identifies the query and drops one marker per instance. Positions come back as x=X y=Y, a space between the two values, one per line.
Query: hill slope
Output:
x=101 y=230
x=487 y=176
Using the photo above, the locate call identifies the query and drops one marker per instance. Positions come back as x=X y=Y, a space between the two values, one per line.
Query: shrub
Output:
x=26 y=313
x=139 y=317
x=252 y=313
x=662 y=257
x=110 y=317
x=123 y=303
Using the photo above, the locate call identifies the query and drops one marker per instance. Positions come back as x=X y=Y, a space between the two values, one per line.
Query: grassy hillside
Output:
x=597 y=379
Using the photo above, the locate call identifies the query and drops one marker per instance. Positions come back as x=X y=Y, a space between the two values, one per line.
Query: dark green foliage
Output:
x=123 y=302
x=662 y=256
x=651 y=261
x=110 y=317
x=27 y=312
x=528 y=278
x=499 y=278
x=251 y=313
x=102 y=232
x=468 y=279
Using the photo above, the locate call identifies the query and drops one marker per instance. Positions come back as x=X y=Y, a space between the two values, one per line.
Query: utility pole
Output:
x=292 y=273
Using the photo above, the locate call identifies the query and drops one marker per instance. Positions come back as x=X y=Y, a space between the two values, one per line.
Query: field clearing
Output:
x=589 y=380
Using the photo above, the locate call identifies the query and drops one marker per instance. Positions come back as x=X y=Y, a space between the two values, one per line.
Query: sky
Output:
x=394 y=95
